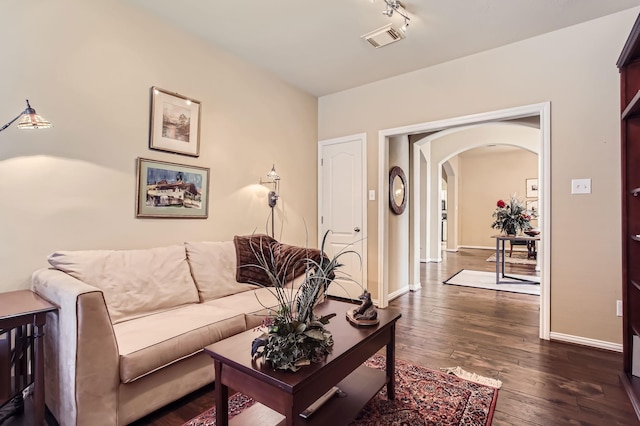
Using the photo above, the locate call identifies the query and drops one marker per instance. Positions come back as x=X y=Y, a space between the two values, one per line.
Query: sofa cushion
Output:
x=134 y=282
x=151 y=342
x=293 y=261
x=213 y=267
x=256 y=252
x=249 y=249
x=256 y=304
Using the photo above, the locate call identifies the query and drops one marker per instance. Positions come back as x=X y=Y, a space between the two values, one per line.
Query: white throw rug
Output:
x=487 y=280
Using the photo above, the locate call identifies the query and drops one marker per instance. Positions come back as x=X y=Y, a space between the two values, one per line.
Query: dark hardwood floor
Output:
x=494 y=334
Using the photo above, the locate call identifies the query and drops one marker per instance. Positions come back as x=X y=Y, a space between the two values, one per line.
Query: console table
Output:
x=290 y=393
x=19 y=310
x=500 y=242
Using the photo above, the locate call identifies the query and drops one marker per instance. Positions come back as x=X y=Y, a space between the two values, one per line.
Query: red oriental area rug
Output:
x=423 y=397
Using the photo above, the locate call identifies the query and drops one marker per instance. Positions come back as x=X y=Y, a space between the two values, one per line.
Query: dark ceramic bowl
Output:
x=532 y=232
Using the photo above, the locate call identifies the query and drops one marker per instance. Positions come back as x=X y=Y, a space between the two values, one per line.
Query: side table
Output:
x=500 y=257
x=18 y=309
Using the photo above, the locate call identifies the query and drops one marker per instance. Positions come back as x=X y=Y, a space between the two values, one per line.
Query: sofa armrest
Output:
x=81 y=353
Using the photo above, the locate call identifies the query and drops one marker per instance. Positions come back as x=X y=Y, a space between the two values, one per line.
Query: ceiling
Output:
x=317 y=45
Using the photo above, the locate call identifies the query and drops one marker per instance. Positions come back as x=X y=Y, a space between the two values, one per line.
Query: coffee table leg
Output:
x=289 y=414
x=391 y=364
x=222 y=398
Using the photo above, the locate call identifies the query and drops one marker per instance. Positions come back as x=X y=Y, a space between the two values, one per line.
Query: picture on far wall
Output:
x=532 y=188
x=532 y=206
x=171 y=190
x=175 y=123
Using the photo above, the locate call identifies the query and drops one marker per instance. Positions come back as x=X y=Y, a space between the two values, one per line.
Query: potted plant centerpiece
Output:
x=294 y=336
x=511 y=218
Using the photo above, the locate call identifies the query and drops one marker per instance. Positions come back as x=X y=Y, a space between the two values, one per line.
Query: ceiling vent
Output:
x=383 y=36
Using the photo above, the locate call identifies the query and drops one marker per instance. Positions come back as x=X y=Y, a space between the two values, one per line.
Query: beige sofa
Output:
x=129 y=333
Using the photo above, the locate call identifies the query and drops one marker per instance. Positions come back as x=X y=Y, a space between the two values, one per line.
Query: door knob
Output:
x=356 y=229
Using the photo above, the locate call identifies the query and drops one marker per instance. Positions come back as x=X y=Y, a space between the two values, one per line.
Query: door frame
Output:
x=362 y=138
x=542 y=110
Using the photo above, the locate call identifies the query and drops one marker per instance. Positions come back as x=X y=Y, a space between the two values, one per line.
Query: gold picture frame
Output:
x=175 y=123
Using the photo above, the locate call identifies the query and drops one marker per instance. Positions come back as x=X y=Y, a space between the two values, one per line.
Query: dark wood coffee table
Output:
x=291 y=393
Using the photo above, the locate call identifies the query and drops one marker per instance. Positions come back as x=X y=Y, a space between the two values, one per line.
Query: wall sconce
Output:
x=29 y=120
x=273 y=195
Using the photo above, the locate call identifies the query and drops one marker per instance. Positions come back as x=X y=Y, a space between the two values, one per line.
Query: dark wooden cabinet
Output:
x=629 y=67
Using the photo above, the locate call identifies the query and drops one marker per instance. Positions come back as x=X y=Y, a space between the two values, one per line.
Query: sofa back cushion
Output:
x=213 y=267
x=285 y=262
x=254 y=253
x=134 y=282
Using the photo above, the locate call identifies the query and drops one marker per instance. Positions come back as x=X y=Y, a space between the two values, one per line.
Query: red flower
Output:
x=501 y=204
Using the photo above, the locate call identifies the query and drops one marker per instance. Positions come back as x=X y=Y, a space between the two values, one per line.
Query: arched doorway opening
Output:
x=537 y=112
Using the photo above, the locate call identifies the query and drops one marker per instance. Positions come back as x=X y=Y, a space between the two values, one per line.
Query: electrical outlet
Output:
x=619 y=308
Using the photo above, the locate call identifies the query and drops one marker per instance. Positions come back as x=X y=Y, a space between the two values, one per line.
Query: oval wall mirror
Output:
x=397 y=190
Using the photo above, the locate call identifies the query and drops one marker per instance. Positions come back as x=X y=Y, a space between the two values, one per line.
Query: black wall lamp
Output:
x=29 y=120
x=274 y=179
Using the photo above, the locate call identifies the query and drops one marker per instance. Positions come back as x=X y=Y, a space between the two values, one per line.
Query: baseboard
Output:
x=424 y=260
x=404 y=290
x=455 y=250
x=584 y=341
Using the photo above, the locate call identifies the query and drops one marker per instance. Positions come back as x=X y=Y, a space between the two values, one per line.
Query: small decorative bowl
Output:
x=532 y=232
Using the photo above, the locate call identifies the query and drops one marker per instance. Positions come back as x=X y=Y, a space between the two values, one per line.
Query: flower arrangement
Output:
x=511 y=218
x=294 y=336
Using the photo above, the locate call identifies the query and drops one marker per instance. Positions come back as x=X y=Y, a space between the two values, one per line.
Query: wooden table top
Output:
x=236 y=350
x=517 y=237
x=22 y=302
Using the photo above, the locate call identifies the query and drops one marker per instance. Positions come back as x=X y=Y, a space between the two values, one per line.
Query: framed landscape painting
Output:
x=532 y=188
x=171 y=190
x=175 y=123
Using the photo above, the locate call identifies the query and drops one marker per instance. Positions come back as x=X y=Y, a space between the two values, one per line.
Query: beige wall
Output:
x=399 y=224
x=441 y=146
x=487 y=177
x=574 y=69
x=88 y=68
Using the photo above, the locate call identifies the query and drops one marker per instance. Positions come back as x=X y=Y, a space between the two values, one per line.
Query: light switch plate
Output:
x=581 y=186
x=372 y=195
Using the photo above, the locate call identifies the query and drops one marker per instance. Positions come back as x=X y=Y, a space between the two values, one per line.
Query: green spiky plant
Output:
x=294 y=336
x=512 y=217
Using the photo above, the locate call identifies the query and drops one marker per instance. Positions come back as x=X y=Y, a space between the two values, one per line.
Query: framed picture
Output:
x=532 y=206
x=171 y=190
x=532 y=188
x=175 y=123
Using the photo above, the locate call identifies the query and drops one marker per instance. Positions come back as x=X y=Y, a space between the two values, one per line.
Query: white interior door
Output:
x=341 y=209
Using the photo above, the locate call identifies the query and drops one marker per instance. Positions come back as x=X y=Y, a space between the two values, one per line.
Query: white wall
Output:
x=574 y=69
x=88 y=68
x=453 y=169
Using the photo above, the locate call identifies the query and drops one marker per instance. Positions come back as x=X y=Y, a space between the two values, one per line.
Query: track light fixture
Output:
x=396 y=6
